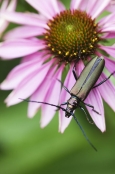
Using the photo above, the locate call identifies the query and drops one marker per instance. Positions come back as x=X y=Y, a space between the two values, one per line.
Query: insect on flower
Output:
x=81 y=89
x=48 y=42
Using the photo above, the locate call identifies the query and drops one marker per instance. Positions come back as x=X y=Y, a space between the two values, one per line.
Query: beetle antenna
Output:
x=83 y=132
x=59 y=107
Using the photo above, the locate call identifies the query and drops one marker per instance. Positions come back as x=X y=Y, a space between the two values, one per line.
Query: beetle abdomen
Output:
x=88 y=77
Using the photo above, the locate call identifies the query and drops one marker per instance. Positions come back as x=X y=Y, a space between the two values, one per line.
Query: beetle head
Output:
x=67 y=114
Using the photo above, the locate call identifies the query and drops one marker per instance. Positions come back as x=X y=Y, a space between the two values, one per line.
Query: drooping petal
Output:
x=15 y=76
x=24 y=32
x=16 y=48
x=36 y=56
x=48 y=8
x=28 y=85
x=40 y=93
x=109 y=49
x=107 y=91
x=94 y=99
x=64 y=96
x=52 y=97
x=25 y=19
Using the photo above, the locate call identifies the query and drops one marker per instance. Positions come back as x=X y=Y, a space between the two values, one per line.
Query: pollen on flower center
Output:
x=70 y=34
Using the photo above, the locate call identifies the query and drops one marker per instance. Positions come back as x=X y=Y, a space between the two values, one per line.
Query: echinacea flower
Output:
x=51 y=41
x=6 y=6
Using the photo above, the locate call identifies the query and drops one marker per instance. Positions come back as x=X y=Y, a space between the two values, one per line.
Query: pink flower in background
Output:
x=6 y=6
x=49 y=40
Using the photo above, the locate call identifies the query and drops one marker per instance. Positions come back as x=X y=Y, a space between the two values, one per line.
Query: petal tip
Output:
x=30 y=116
x=103 y=130
x=3 y=84
x=43 y=124
x=61 y=129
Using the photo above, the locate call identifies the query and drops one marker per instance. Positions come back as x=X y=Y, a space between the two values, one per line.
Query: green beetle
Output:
x=79 y=92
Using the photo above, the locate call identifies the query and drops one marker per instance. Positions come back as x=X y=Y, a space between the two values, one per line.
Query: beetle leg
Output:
x=104 y=80
x=83 y=131
x=92 y=108
x=74 y=73
x=86 y=115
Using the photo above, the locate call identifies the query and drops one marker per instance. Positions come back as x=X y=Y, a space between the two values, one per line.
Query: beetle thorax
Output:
x=72 y=104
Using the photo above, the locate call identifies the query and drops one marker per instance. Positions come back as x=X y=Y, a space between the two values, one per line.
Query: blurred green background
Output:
x=26 y=148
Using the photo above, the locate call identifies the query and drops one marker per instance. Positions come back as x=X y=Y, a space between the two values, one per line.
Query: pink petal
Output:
x=111 y=6
x=69 y=82
x=53 y=98
x=12 y=5
x=28 y=85
x=83 y=5
x=36 y=56
x=90 y=6
x=107 y=91
x=75 y=4
x=98 y=8
x=110 y=28
x=3 y=25
x=79 y=67
x=24 y=32
x=25 y=19
x=40 y=93
x=110 y=65
x=21 y=47
x=109 y=35
x=94 y=98
x=4 y=5
x=48 y=8
x=14 y=77
x=107 y=20
x=109 y=49
x=61 y=6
